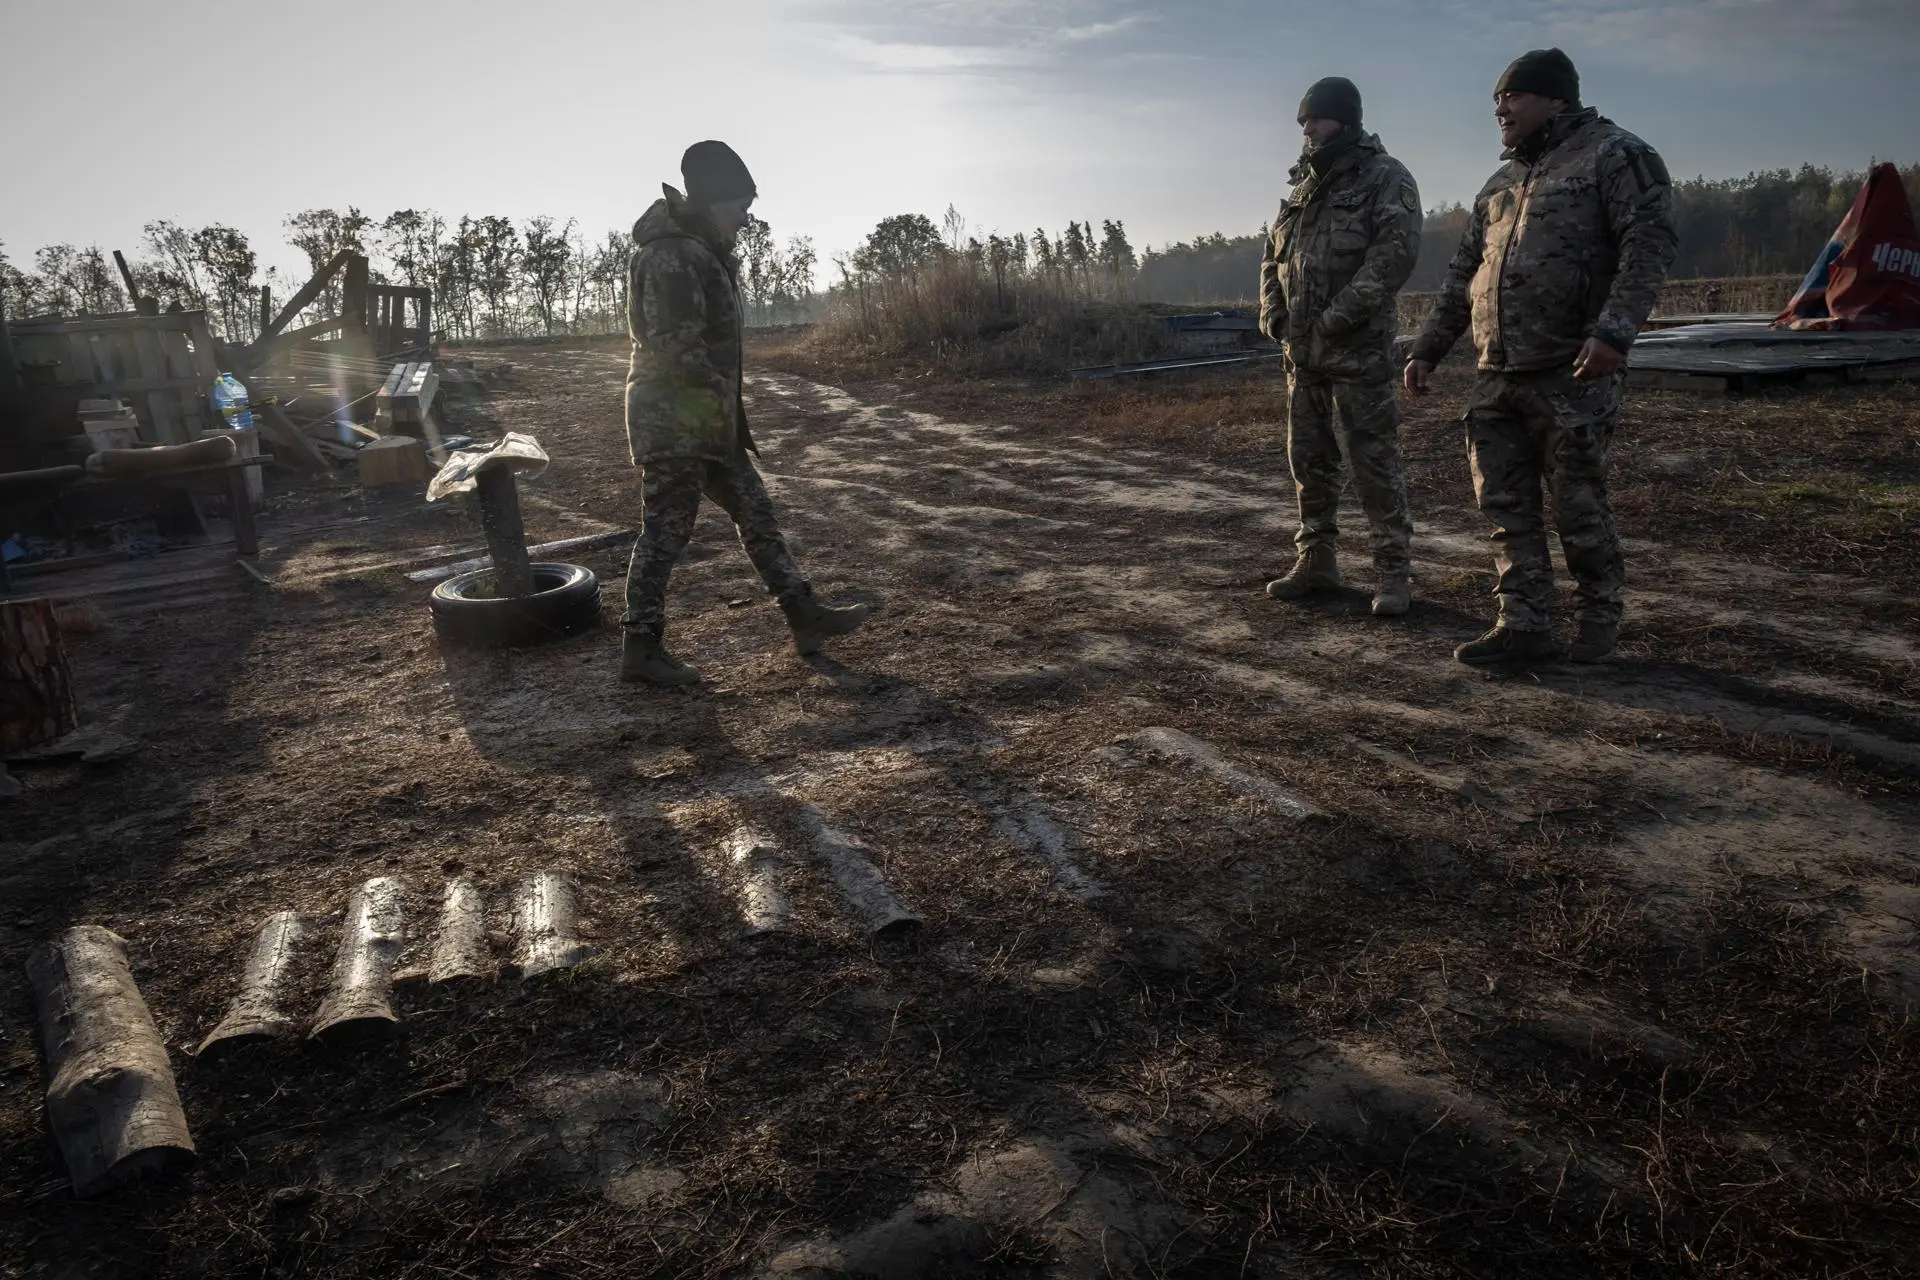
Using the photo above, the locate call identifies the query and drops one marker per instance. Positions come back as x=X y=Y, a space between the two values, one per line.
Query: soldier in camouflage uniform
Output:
x=685 y=424
x=1341 y=247
x=1557 y=271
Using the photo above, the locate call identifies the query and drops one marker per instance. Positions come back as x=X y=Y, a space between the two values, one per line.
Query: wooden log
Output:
x=394 y=460
x=359 y=1004
x=112 y=1103
x=760 y=874
x=546 y=927
x=36 y=682
x=460 y=952
x=354 y=296
x=256 y=1013
x=113 y=464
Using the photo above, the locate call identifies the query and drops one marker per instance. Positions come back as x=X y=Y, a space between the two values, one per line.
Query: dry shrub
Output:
x=954 y=317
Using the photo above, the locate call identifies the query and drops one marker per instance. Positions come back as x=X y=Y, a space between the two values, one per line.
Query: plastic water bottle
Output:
x=230 y=397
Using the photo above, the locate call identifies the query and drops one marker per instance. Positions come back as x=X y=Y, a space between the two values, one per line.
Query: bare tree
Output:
x=496 y=254
x=229 y=264
x=544 y=262
x=322 y=233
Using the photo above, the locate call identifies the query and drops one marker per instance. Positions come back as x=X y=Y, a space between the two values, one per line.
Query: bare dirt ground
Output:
x=1570 y=973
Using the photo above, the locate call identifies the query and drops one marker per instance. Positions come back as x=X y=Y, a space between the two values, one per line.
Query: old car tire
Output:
x=565 y=602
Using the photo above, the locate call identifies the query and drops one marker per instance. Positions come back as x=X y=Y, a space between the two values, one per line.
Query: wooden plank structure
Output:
x=376 y=321
x=164 y=365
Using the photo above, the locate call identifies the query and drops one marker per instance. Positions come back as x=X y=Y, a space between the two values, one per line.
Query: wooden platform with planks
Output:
x=1740 y=355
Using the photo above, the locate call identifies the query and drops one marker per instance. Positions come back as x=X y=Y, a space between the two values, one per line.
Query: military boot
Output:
x=1503 y=644
x=644 y=660
x=1315 y=570
x=1392 y=594
x=813 y=622
x=1595 y=641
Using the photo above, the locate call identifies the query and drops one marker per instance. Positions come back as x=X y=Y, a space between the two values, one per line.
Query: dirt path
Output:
x=1114 y=919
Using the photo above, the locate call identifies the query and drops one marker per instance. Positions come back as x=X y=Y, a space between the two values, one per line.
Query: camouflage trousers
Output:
x=671 y=489
x=1333 y=425
x=1526 y=431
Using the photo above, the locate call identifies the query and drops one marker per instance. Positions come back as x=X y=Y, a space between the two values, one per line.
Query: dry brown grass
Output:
x=953 y=317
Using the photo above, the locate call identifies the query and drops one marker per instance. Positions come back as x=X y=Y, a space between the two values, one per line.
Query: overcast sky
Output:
x=1177 y=118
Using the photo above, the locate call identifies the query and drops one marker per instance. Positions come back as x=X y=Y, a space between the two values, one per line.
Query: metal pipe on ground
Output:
x=460 y=952
x=546 y=927
x=256 y=1014
x=359 y=1004
x=111 y=1099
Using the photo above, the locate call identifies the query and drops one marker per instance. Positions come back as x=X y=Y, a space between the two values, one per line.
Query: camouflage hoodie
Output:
x=1570 y=239
x=1341 y=247
x=685 y=318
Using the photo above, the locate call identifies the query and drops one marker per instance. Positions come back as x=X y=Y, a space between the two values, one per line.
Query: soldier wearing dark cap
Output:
x=1341 y=247
x=685 y=423
x=1567 y=246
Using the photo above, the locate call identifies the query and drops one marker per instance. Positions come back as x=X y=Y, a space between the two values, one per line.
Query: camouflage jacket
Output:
x=1570 y=239
x=687 y=325
x=1341 y=247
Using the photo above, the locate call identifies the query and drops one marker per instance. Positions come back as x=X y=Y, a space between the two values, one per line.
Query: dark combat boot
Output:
x=1315 y=570
x=644 y=660
x=1595 y=641
x=1505 y=645
x=1392 y=594
x=813 y=622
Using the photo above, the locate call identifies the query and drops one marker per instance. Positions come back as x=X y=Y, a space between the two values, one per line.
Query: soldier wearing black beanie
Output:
x=1547 y=72
x=1554 y=278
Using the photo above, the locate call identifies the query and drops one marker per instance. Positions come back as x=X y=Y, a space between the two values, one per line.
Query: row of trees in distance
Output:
x=490 y=276
x=493 y=277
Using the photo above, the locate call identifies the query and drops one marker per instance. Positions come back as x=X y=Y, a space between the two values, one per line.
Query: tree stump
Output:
x=36 y=684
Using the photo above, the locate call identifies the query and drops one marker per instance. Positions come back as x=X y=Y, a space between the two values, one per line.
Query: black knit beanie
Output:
x=714 y=173
x=1547 y=72
x=1334 y=98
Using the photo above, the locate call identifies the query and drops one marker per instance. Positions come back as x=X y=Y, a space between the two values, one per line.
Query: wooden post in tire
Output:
x=36 y=684
x=499 y=498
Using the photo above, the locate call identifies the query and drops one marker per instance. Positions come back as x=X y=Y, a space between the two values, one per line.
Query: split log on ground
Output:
x=359 y=1004
x=1171 y=744
x=111 y=1103
x=761 y=874
x=853 y=873
x=256 y=1013
x=460 y=941
x=393 y=460
x=546 y=926
x=36 y=684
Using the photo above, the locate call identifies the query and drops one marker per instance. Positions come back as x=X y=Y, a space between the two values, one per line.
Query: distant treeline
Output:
x=493 y=277
x=490 y=276
x=1770 y=223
